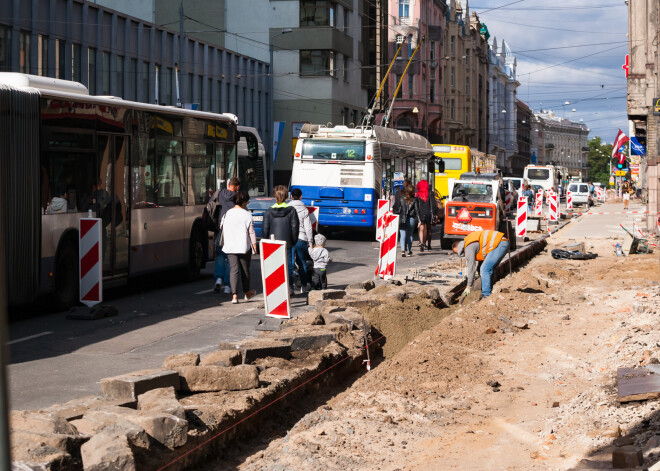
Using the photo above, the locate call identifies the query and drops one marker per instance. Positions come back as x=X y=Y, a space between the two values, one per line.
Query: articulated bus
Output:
x=457 y=160
x=344 y=171
x=146 y=171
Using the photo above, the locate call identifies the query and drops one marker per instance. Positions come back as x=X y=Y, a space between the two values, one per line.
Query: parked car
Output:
x=580 y=194
x=258 y=206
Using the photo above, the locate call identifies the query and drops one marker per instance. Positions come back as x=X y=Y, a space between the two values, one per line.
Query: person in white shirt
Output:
x=321 y=258
x=239 y=243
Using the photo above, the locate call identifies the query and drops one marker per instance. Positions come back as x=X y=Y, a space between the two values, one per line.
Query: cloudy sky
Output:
x=567 y=50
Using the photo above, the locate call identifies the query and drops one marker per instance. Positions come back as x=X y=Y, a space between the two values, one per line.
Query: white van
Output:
x=544 y=176
x=580 y=194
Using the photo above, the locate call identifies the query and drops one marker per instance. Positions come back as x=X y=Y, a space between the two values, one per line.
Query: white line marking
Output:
x=206 y=291
x=30 y=337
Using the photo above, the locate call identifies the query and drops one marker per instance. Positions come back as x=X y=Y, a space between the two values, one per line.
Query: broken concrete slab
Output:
x=269 y=324
x=225 y=358
x=107 y=452
x=75 y=408
x=168 y=430
x=315 y=296
x=628 y=456
x=161 y=400
x=66 y=443
x=307 y=339
x=181 y=359
x=42 y=421
x=218 y=378
x=131 y=385
x=253 y=349
x=28 y=457
x=637 y=384
x=107 y=421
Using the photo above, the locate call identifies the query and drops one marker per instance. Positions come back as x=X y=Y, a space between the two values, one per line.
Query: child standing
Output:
x=319 y=255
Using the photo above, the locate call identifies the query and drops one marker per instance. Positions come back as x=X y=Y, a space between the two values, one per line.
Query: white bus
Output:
x=344 y=171
x=546 y=176
x=146 y=170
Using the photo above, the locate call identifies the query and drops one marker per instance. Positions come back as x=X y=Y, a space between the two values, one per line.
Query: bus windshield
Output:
x=538 y=173
x=472 y=192
x=318 y=149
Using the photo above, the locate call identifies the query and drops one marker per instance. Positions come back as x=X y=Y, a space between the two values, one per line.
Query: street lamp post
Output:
x=271 y=166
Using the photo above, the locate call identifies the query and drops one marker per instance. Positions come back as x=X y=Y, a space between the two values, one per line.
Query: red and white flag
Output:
x=620 y=140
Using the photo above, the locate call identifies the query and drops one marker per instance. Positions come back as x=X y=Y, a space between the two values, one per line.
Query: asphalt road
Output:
x=54 y=359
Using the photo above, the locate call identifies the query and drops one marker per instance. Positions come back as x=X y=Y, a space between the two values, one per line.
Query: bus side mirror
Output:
x=438 y=165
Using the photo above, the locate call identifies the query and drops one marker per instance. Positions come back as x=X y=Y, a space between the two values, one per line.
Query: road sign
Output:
x=621 y=173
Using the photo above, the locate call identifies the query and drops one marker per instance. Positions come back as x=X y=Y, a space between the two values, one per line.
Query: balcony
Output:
x=550 y=146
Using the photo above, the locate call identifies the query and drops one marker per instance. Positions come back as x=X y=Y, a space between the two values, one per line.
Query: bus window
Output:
x=200 y=171
x=538 y=173
x=452 y=163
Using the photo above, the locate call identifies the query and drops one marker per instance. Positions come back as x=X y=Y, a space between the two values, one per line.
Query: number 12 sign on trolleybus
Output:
x=344 y=171
x=145 y=171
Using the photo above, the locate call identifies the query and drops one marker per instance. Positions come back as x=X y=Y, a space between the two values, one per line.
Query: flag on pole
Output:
x=620 y=140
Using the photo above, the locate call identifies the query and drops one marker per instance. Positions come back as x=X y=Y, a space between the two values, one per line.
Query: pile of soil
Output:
x=521 y=380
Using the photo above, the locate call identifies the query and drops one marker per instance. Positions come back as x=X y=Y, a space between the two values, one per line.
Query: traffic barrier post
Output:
x=508 y=201
x=386 y=268
x=314 y=216
x=569 y=201
x=275 y=277
x=90 y=253
x=538 y=208
x=521 y=217
x=553 y=207
x=383 y=208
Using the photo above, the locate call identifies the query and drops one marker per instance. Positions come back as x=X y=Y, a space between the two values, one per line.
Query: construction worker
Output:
x=488 y=247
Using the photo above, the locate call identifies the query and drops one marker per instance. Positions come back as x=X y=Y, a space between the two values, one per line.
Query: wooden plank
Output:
x=637 y=384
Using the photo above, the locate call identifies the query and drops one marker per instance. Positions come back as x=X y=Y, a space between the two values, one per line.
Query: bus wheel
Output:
x=196 y=255
x=66 y=277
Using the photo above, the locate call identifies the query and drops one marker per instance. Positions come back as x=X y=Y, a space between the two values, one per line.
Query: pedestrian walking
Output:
x=281 y=221
x=239 y=243
x=405 y=205
x=626 y=190
x=301 y=249
x=531 y=198
x=488 y=247
x=321 y=258
x=225 y=200
x=427 y=210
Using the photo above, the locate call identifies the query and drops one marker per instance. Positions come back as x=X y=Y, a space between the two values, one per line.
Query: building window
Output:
x=453 y=77
x=133 y=80
x=144 y=84
x=76 y=62
x=453 y=109
x=467 y=115
x=60 y=44
x=396 y=84
x=345 y=69
x=467 y=57
x=432 y=51
x=410 y=48
x=119 y=74
x=105 y=73
x=453 y=45
x=432 y=91
x=344 y=116
x=5 y=49
x=354 y=117
x=24 y=52
x=467 y=86
x=346 y=20
x=167 y=85
x=317 y=13
x=399 y=41
x=411 y=85
x=91 y=70
x=42 y=59
x=318 y=63
x=404 y=8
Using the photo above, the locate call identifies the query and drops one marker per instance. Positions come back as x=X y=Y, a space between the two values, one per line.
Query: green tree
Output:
x=598 y=160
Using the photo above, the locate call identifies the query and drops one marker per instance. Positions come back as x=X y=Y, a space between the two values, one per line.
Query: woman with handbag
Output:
x=427 y=211
x=405 y=205
x=239 y=243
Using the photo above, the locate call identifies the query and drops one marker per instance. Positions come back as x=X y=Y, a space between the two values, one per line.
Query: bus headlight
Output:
x=346 y=211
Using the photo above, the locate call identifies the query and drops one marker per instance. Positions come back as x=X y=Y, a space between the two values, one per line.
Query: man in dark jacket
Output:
x=281 y=220
x=225 y=199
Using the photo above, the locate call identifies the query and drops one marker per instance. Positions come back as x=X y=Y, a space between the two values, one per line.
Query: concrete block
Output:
x=76 y=408
x=222 y=358
x=42 y=421
x=161 y=400
x=254 y=349
x=307 y=341
x=325 y=294
x=107 y=421
x=107 y=452
x=577 y=247
x=133 y=384
x=628 y=456
x=182 y=359
x=169 y=430
x=218 y=378
x=67 y=443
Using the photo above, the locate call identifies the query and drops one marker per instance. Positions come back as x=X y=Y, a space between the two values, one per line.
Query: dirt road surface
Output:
x=525 y=379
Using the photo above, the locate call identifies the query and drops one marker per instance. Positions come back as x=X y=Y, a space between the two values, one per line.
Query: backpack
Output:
x=211 y=213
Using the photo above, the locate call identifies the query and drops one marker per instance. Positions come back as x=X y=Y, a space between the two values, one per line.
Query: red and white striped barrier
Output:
x=521 y=217
x=599 y=194
x=314 y=216
x=569 y=200
x=617 y=212
x=386 y=268
x=538 y=208
x=508 y=201
x=553 y=208
x=275 y=278
x=383 y=208
x=90 y=253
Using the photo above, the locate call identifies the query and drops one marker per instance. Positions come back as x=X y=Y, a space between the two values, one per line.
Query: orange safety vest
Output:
x=487 y=240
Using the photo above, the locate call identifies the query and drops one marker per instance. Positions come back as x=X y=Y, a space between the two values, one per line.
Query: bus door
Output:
x=111 y=198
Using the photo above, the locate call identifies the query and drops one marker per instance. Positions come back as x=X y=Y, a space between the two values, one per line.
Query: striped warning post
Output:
x=538 y=207
x=508 y=201
x=383 y=208
x=521 y=217
x=275 y=278
x=553 y=208
x=314 y=216
x=386 y=268
x=90 y=251
x=569 y=201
